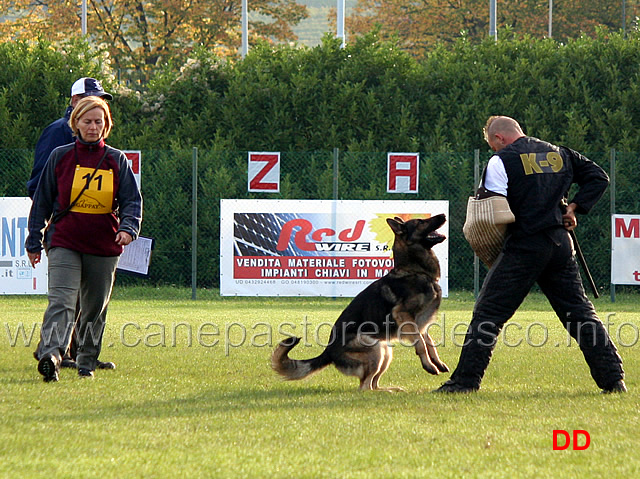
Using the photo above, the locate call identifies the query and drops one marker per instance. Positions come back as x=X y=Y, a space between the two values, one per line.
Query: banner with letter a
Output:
x=625 y=249
x=403 y=172
x=314 y=247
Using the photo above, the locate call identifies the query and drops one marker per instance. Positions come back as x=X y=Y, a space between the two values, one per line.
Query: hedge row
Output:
x=367 y=97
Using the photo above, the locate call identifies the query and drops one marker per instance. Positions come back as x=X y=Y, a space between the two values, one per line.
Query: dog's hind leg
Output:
x=366 y=358
x=373 y=364
x=373 y=359
x=433 y=353
x=359 y=357
x=387 y=352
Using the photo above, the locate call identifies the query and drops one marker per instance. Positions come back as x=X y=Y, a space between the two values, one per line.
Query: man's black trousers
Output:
x=548 y=259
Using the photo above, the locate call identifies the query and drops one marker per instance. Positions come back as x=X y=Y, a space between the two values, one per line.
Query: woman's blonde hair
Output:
x=86 y=104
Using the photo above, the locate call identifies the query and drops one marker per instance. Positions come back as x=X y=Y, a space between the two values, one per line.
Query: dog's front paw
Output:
x=430 y=368
x=443 y=367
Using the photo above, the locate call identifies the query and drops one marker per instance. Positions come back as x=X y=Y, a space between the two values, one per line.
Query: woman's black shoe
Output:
x=48 y=367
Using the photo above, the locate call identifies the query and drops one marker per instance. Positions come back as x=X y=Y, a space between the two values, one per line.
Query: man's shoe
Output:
x=48 y=367
x=85 y=373
x=451 y=386
x=107 y=365
x=617 y=387
x=68 y=363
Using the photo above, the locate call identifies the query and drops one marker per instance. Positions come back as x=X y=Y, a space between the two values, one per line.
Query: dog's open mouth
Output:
x=433 y=238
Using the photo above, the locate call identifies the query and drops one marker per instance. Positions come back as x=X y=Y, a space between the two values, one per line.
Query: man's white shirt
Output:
x=496 y=179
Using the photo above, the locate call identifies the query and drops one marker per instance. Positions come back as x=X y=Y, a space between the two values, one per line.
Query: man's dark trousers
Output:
x=548 y=259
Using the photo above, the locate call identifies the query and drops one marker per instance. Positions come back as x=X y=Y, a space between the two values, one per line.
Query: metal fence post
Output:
x=612 y=192
x=194 y=223
x=335 y=173
x=476 y=260
x=334 y=207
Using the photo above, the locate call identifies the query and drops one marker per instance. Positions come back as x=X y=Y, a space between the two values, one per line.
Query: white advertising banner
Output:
x=314 y=247
x=16 y=274
x=625 y=249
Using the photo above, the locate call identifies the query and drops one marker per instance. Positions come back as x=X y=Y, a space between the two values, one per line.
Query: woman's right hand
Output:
x=34 y=258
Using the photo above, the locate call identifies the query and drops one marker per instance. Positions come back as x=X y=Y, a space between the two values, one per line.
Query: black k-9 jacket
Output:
x=539 y=177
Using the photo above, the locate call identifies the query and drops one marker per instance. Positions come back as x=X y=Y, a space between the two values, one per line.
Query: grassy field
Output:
x=194 y=396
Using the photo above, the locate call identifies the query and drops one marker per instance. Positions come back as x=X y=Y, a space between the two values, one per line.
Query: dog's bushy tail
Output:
x=293 y=369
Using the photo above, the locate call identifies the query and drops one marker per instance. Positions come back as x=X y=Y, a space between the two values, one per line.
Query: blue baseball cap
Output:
x=89 y=87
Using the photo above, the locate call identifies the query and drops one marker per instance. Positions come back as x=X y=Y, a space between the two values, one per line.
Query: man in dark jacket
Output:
x=535 y=176
x=57 y=134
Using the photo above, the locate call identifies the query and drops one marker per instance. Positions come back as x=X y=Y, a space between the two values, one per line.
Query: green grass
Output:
x=180 y=406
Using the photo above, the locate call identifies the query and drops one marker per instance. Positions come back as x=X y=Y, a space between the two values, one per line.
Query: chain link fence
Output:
x=182 y=189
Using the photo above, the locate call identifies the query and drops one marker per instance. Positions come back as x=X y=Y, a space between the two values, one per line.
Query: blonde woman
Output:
x=91 y=206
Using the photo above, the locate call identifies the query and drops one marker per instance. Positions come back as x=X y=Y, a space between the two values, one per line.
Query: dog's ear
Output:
x=396 y=224
x=398 y=219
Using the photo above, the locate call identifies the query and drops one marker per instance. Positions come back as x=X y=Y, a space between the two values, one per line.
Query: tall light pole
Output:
x=550 y=18
x=83 y=18
x=245 y=29
x=493 y=31
x=340 y=22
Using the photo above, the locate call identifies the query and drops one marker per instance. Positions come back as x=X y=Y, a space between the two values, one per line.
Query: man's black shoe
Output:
x=617 y=387
x=451 y=386
x=68 y=363
x=48 y=367
x=106 y=365
x=85 y=373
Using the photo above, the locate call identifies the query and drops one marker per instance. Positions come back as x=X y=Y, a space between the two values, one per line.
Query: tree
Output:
x=142 y=34
x=419 y=24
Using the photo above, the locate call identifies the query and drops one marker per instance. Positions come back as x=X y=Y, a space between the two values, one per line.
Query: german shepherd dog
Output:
x=400 y=305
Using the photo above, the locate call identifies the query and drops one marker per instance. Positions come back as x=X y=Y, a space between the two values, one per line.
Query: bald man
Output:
x=535 y=176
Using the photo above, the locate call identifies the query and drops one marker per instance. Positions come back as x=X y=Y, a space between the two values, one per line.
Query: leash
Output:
x=580 y=255
x=583 y=263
